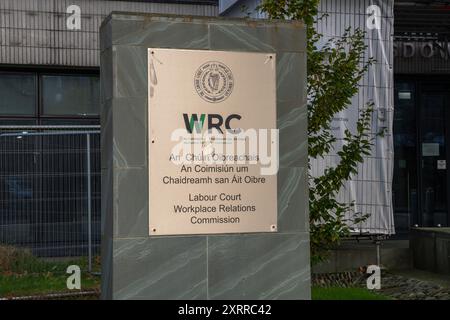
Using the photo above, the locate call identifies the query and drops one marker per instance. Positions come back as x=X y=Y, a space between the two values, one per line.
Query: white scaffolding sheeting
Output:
x=371 y=188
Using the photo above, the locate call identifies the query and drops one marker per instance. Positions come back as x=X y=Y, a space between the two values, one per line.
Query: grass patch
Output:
x=340 y=293
x=22 y=274
x=38 y=284
x=19 y=260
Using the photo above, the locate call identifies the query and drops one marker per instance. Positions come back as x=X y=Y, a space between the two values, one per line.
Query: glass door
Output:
x=405 y=182
x=432 y=164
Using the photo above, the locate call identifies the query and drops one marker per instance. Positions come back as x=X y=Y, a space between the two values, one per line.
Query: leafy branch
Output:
x=334 y=72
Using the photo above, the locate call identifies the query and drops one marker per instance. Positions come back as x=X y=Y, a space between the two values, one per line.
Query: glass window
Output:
x=404 y=185
x=17 y=94
x=76 y=95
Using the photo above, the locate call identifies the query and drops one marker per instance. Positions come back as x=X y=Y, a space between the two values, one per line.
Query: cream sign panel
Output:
x=213 y=143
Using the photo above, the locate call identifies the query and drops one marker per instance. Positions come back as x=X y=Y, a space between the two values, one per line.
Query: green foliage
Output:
x=22 y=273
x=334 y=71
x=16 y=260
x=16 y=285
x=305 y=10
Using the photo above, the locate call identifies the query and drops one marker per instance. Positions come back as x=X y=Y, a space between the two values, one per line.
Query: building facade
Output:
x=406 y=184
x=49 y=118
x=421 y=182
x=48 y=46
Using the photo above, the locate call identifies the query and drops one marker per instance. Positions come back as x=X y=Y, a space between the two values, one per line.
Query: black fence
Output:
x=50 y=189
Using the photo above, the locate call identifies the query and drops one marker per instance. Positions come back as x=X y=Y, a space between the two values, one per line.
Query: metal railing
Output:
x=50 y=189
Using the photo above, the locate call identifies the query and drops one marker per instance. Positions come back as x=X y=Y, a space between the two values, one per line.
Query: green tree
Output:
x=334 y=71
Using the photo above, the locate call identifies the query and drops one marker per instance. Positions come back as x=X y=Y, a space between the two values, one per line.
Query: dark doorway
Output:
x=421 y=183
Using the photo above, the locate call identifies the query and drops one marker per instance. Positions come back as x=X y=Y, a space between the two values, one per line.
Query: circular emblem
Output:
x=214 y=81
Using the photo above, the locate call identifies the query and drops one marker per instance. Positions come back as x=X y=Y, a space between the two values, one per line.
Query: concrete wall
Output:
x=352 y=255
x=431 y=249
x=239 y=266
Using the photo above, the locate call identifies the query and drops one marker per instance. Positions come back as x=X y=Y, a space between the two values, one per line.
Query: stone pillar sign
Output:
x=204 y=158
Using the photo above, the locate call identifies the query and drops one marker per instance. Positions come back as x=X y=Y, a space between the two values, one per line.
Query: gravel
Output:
x=397 y=287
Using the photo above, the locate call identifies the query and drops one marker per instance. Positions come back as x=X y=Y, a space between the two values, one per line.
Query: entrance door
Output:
x=421 y=185
x=433 y=147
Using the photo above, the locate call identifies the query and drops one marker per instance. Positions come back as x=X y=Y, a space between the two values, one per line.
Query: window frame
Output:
x=41 y=111
x=38 y=72
x=36 y=97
